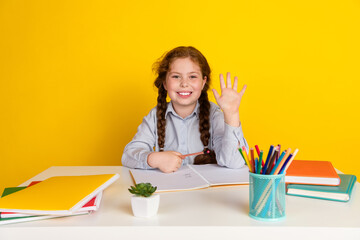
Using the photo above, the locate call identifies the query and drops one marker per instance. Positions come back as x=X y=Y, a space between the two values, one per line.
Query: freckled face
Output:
x=184 y=83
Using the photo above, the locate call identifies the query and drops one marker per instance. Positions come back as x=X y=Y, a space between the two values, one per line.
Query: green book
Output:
x=340 y=193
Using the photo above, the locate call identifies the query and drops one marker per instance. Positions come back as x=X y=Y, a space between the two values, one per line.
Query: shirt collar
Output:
x=170 y=109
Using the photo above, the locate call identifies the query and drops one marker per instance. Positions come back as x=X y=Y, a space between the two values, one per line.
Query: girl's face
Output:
x=184 y=83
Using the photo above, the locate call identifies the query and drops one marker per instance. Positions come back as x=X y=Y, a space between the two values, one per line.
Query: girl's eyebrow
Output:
x=187 y=73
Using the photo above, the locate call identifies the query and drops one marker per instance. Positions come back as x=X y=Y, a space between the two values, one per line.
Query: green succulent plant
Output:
x=142 y=189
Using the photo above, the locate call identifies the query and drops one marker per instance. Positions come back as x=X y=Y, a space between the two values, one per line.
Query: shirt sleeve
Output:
x=226 y=142
x=137 y=151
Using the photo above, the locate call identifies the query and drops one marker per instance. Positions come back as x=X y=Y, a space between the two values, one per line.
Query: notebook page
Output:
x=217 y=175
x=183 y=179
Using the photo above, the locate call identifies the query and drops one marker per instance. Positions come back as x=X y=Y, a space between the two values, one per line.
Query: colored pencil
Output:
x=278 y=163
x=277 y=155
x=279 y=166
x=258 y=169
x=255 y=165
x=270 y=167
x=245 y=159
x=252 y=155
x=258 y=152
x=285 y=163
x=268 y=159
x=292 y=158
x=260 y=161
x=194 y=154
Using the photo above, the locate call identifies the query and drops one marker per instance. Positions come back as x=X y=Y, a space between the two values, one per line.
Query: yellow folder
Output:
x=61 y=195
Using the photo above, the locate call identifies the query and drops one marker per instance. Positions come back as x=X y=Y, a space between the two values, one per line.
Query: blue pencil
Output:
x=255 y=165
x=277 y=163
x=268 y=159
x=285 y=163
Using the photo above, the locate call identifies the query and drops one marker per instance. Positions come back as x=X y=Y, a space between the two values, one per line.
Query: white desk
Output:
x=214 y=213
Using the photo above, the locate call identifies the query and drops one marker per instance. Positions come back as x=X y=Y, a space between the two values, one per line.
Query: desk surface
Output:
x=216 y=212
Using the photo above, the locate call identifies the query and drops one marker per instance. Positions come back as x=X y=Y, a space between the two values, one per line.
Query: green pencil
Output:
x=258 y=170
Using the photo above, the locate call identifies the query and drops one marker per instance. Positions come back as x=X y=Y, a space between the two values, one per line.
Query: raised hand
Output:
x=229 y=100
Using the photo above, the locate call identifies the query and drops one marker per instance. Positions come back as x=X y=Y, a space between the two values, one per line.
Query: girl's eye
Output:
x=193 y=76
x=175 y=76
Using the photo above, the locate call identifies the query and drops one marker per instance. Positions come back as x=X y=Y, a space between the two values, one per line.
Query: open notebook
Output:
x=190 y=177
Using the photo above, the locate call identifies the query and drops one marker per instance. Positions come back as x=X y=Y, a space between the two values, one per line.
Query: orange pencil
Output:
x=282 y=161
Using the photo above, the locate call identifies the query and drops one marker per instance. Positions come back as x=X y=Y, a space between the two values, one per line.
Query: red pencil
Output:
x=258 y=152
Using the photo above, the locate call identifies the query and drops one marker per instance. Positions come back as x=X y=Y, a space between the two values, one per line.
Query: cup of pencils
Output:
x=267 y=182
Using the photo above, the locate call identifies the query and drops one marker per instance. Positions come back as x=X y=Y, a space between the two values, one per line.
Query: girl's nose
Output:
x=184 y=82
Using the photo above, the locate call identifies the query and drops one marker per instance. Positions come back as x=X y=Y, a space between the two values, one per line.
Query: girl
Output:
x=189 y=122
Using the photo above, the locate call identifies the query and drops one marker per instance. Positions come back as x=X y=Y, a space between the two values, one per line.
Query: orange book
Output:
x=312 y=172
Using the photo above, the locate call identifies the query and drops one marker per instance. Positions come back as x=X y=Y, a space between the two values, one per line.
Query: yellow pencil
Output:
x=247 y=158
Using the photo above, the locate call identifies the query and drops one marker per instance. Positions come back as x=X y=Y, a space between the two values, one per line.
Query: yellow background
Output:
x=76 y=79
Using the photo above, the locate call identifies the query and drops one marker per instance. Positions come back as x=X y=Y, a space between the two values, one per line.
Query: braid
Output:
x=204 y=128
x=160 y=114
x=161 y=67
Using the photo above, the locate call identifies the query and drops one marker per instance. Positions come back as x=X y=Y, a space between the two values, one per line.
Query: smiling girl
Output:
x=189 y=122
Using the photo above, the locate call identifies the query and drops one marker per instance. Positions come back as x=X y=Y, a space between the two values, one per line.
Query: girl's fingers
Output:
x=243 y=90
x=216 y=94
x=235 y=83
x=222 y=82
x=228 y=80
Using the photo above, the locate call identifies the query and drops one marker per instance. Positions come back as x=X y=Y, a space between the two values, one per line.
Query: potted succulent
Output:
x=144 y=203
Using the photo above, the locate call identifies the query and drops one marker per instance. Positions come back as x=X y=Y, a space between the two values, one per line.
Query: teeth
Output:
x=184 y=94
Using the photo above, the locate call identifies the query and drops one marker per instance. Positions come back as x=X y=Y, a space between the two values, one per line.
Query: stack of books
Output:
x=318 y=179
x=54 y=197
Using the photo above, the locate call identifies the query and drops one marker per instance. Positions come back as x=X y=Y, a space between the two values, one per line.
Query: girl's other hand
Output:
x=167 y=162
x=229 y=100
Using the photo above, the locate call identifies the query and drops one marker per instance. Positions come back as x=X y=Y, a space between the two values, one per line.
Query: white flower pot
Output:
x=145 y=206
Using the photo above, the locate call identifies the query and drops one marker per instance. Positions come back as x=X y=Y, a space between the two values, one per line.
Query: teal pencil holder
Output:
x=267 y=197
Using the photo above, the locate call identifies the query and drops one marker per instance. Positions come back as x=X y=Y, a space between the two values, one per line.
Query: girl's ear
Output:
x=164 y=84
x=204 y=81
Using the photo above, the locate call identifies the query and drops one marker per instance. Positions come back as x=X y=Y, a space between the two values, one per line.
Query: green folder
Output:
x=340 y=193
